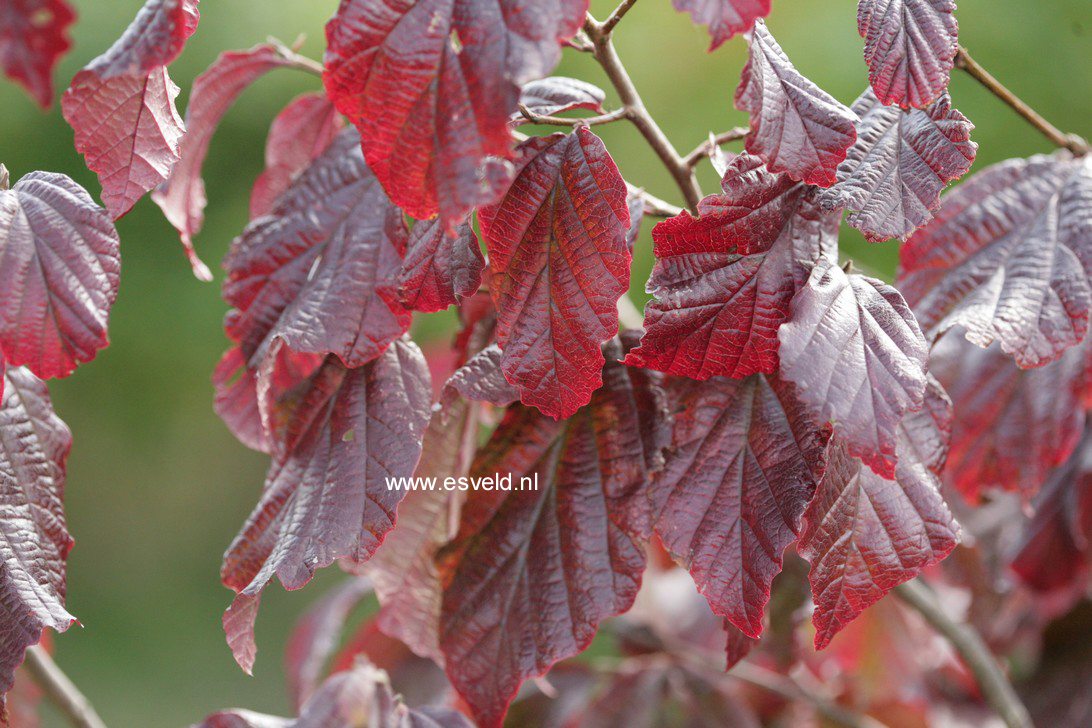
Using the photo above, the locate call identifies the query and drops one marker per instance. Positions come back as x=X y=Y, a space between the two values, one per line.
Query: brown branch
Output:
x=995 y=687
x=636 y=112
x=59 y=689
x=654 y=206
x=1072 y=142
x=606 y=118
x=790 y=689
x=303 y=63
x=619 y=12
x=706 y=148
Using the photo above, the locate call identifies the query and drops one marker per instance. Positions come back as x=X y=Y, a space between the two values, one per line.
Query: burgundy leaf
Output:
x=796 y=127
x=737 y=645
x=553 y=95
x=482 y=380
x=316 y=637
x=1012 y=426
x=128 y=84
x=301 y=131
x=182 y=195
x=893 y=175
x=745 y=461
x=717 y=312
x=857 y=356
x=531 y=573
x=1008 y=257
x=338 y=438
x=33 y=37
x=636 y=207
x=559 y=262
x=725 y=18
x=441 y=268
x=910 y=48
x=34 y=542
x=865 y=534
x=60 y=262
x=358 y=698
x=320 y=272
x=431 y=86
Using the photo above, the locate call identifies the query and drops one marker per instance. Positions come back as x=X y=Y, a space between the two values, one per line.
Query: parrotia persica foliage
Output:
x=771 y=397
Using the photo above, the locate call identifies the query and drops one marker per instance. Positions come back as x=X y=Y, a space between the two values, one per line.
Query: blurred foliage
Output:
x=157 y=487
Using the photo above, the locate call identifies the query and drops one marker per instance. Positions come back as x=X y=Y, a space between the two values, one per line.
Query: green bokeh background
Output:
x=157 y=487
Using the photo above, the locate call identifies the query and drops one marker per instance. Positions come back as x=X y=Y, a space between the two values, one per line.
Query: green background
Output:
x=157 y=487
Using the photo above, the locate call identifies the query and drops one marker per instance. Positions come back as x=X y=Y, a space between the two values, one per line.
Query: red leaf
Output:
x=440 y=269
x=482 y=380
x=301 y=131
x=129 y=86
x=745 y=461
x=857 y=356
x=316 y=637
x=60 y=261
x=34 y=542
x=1012 y=426
x=358 y=698
x=33 y=37
x=1007 y=257
x=796 y=127
x=910 y=48
x=893 y=175
x=553 y=95
x=558 y=255
x=338 y=437
x=320 y=272
x=717 y=312
x=182 y=195
x=531 y=573
x=431 y=86
x=725 y=18
x=865 y=534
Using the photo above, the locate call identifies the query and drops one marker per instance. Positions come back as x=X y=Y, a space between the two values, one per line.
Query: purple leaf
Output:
x=33 y=37
x=556 y=94
x=893 y=175
x=482 y=380
x=559 y=262
x=796 y=127
x=60 y=262
x=1007 y=257
x=725 y=18
x=856 y=354
x=441 y=268
x=910 y=48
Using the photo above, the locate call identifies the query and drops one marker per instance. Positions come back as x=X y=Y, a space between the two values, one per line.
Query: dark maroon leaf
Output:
x=796 y=127
x=636 y=214
x=531 y=573
x=337 y=439
x=316 y=637
x=182 y=195
x=725 y=18
x=893 y=175
x=717 y=312
x=358 y=698
x=737 y=645
x=559 y=262
x=865 y=534
x=482 y=380
x=431 y=86
x=33 y=37
x=321 y=271
x=1056 y=549
x=744 y=462
x=301 y=131
x=1007 y=257
x=857 y=356
x=441 y=268
x=553 y=95
x=1012 y=426
x=34 y=541
x=910 y=48
x=60 y=261
x=128 y=84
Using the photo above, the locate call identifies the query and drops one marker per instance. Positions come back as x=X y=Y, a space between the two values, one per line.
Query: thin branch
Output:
x=654 y=206
x=619 y=12
x=995 y=687
x=706 y=148
x=606 y=118
x=302 y=63
x=1072 y=142
x=638 y=114
x=790 y=689
x=59 y=689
